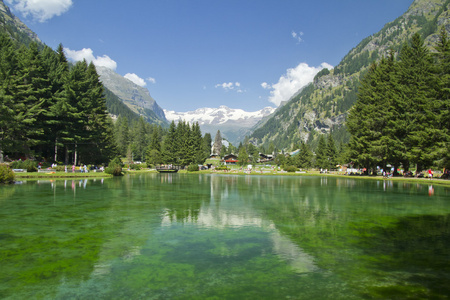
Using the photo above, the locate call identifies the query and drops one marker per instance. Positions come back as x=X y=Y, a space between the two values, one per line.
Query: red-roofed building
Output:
x=230 y=159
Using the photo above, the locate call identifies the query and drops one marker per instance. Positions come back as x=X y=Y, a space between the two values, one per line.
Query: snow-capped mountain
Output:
x=233 y=124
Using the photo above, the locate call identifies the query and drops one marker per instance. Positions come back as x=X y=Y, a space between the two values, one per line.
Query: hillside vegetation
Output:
x=322 y=106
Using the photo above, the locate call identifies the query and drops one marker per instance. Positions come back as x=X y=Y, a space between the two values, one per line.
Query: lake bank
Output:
x=64 y=175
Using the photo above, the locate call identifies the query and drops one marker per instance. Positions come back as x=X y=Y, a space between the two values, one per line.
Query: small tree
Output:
x=115 y=167
x=243 y=157
x=153 y=157
x=6 y=174
x=304 y=158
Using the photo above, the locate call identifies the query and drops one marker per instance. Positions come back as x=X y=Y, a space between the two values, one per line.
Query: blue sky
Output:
x=244 y=54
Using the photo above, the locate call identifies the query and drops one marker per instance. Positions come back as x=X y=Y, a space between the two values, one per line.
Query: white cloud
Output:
x=88 y=55
x=41 y=10
x=230 y=86
x=151 y=80
x=297 y=36
x=135 y=79
x=266 y=86
x=294 y=79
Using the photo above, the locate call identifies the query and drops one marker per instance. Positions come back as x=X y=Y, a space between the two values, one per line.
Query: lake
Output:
x=183 y=236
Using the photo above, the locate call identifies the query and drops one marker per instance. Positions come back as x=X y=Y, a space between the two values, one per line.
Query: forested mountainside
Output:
x=19 y=32
x=135 y=97
x=12 y=25
x=322 y=106
x=56 y=110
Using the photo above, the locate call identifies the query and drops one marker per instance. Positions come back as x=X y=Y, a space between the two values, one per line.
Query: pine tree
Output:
x=169 y=150
x=442 y=102
x=76 y=90
x=122 y=135
x=321 y=153
x=32 y=95
x=182 y=143
x=217 y=143
x=331 y=152
x=197 y=144
x=155 y=141
x=207 y=140
x=140 y=140
x=57 y=67
x=8 y=74
x=416 y=83
x=242 y=157
x=304 y=158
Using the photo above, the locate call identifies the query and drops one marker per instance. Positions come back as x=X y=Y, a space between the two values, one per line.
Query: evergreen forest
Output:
x=52 y=110
x=401 y=116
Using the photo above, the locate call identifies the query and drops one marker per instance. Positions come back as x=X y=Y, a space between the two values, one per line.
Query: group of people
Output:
x=82 y=169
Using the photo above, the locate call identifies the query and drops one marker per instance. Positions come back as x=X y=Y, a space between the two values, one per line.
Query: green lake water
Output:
x=182 y=236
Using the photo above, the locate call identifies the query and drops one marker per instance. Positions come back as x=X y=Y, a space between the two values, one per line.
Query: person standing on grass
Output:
x=430 y=174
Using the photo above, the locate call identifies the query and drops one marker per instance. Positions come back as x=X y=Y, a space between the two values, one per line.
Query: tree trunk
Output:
x=75 y=156
x=66 y=156
x=56 y=149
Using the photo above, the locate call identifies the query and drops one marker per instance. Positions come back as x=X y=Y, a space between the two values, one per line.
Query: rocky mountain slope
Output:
x=234 y=124
x=322 y=106
x=137 y=98
x=15 y=27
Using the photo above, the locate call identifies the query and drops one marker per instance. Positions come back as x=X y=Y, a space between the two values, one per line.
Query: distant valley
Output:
x=234 y=124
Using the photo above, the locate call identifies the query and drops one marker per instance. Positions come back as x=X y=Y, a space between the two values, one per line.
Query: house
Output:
x=263 y=158
x=214 y=156
x=230 y=159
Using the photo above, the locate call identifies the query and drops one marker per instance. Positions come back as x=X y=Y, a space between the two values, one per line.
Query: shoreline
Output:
x=63 y=175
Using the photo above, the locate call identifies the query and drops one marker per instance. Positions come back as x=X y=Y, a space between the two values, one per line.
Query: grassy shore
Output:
x=63 y=175
x=435 y=181
x=56 y=175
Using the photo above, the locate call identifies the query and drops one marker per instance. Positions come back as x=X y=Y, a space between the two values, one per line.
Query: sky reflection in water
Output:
x=187 y=236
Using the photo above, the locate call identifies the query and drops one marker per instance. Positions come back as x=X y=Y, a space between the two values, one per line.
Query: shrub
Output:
x=222 y=168
x=192 y=168
x=114 y=167
x=6 y=174
x=29 y=165
x=135 y=167
x=61 y=168
x=290 y=169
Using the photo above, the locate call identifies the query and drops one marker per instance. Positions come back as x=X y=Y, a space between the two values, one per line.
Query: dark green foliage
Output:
x=114 y=167
x=304 y=158
x=399 y=116
x=321 y=73
x=6 y=174
x=47 y=108
x=183 y=144
x=135 y=167
x=192 y=168
x=280 y=159
x=243 y=157
x=222 y=168
x=330 y=100
x=29 y=165
x=290 y=169
x=116 y=107
x=207 y=141
x=321 y=154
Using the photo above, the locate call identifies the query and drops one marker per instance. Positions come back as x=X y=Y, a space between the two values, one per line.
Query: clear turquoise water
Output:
x=178 y=236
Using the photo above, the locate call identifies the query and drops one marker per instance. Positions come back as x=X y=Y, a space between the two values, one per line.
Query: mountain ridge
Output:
x=15 y=27
x=137 y=98
x=322 y=106
x=234 y=124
